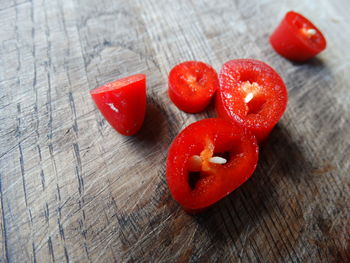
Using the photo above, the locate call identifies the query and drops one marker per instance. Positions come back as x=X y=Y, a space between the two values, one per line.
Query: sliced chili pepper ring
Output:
x=197 y=174
x=192 y=85
x=251 y=93
x=297 y=38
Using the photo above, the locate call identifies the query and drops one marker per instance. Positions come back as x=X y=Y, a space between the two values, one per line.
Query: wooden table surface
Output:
x=74 y=190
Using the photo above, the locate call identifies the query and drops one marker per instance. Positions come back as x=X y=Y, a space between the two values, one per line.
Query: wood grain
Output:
x=73 y=190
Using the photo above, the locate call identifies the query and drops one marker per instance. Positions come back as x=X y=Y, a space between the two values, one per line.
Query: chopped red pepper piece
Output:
x=208 y=160
x=192 y=85
x=297 y=39
x=123 y=103
x=253 y=94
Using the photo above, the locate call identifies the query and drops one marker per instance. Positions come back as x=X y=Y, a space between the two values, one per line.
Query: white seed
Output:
x=217 y=160
x=113 y=108
x=248 y=97
x=310 y=32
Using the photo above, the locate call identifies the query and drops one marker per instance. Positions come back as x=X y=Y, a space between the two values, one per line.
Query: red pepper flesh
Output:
x=123 y=103
x=192 y=85
x=251 y=93
x=297 y=39
x=194 y=180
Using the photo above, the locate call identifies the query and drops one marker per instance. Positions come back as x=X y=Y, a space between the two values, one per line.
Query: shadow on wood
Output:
x=283 y=151
x=315 y=61
x=154 y=123
x=238 y=220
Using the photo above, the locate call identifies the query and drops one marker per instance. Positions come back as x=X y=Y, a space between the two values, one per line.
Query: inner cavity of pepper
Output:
x=197 y=171
x=253 y=97
x=196 y=163
x=199 y=165
x=193 y=80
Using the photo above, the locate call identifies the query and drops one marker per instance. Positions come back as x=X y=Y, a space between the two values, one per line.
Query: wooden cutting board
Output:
x=74 y=190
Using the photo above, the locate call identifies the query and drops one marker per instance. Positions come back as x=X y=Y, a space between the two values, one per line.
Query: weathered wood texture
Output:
x=74 y=190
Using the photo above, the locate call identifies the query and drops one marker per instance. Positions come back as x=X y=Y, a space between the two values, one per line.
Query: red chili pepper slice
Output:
x=253 y=94
x=208 y=160
x=297 y=39
x=192 y=85
x=123 y=103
